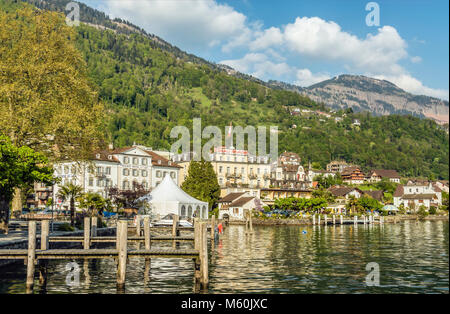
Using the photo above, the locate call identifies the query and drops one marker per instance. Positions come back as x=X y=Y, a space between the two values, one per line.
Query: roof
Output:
x=398 y=191
x=168 y=191
x=231 y=197
x=242 y=201
x=350 y=170
x=342 y=191
x=105 y=155
x=158 y=160
x=385 y=173
x=378 y=195
x=419 y=196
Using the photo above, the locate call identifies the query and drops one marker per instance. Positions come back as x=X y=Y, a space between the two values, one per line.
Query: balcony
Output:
x=252 y=176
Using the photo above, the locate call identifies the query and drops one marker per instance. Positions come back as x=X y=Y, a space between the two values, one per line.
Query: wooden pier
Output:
x=121 y=253
x=339 y=219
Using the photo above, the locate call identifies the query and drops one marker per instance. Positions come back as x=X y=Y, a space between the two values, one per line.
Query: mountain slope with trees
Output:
x=147 y=90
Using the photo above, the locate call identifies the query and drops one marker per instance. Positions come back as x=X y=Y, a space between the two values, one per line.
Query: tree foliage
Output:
x=20 y=167
x=201 y=182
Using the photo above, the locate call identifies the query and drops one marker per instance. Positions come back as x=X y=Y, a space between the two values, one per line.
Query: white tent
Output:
x=168 y=198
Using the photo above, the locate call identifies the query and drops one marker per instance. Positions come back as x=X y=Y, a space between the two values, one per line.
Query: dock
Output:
x=33 y=256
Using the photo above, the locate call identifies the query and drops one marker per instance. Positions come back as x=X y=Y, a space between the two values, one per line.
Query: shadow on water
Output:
x=412 y=258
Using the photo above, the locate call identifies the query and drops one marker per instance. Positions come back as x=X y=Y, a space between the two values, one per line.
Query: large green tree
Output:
x=20 y=167
x=201 y=182
x=46 y=100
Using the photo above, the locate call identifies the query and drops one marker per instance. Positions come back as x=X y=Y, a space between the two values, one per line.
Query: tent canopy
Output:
x=168 y=198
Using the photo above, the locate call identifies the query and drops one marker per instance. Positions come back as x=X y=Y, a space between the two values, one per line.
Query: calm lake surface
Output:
x=412 y=257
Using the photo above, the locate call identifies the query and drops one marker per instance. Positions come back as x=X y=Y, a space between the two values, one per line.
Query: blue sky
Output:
x=304 y=42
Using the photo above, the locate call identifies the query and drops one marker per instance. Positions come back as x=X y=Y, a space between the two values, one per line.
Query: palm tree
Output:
x=70 y=191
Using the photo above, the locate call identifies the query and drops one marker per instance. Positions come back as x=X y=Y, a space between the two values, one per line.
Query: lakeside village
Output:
x=116 y=178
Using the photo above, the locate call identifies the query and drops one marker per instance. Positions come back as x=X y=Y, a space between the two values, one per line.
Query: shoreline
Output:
x=308 y=221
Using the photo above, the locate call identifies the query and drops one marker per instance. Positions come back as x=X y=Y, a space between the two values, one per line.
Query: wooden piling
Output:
x=31 y=258
x=250 y=221
x=45 y=230
x=87 y=233
x=147 y=232
x=203 y=256
x=94 y=226
x=334 y=219
x=213 y=226
x=314 y=219
x=318 y=220
x=325 y=219
x=197 y=232
x=122 y=228
x=355 y=220
x=341 y=219
x=138 y=225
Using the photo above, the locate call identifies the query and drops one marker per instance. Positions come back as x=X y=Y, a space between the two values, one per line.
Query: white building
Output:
x=234 y=205
x=122 y=168
x=417 y=193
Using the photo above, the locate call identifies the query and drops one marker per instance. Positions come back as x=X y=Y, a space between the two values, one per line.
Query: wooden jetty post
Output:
x=31 y=257
x=325 y=219
x=213 y=227
x=147 y=233
x=355 y=219
x=175 y=230
x=197 y=235
x=318 y=220
x=203 y=252
x=314 y=219
x=87 y=233
x=334 y=219
x=45 y=230
x=138 y=225
x=94 y=222
x=381 y=220
x=364 y=220
x=370 y=219
x=122 y=230
x=341 y=219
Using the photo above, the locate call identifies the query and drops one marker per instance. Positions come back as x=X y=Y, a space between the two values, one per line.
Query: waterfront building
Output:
x=123 y=168
x=379 y=174
x=344 y=193
x=236 y=170
x=234 y=205
x=269 y=195
x=352 y=175
x=417 y=193
x=288 y=173
x=337 y=166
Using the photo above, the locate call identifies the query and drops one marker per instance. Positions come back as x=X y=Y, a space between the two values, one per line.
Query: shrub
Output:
x=422 y=211
x=65 y=227
x=433 y=210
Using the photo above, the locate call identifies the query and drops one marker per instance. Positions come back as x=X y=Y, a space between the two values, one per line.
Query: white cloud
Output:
x=414 y=86
x=416 y=59
x=204 y=24
x=188 y=23
x=306 y=78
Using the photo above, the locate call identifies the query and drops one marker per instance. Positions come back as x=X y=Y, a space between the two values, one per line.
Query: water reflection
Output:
x=413 y=258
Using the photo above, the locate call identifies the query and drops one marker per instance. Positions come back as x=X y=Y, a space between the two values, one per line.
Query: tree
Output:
x=368 y=203
x=201 y=182
x=127 y=198
x=70 y=192
x=19 y=168
x=46 y=100
x=94 y=203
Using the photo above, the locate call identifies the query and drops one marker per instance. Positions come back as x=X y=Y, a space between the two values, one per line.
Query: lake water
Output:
x=412 y=258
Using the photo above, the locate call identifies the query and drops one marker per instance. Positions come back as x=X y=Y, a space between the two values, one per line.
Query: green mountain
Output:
x=150 y=86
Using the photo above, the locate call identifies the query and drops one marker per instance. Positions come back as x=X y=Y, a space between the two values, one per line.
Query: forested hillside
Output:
x=149 y=89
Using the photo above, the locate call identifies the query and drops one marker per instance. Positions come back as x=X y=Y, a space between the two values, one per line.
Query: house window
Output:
x=66 y=169
x=144 y=173
x=220 y=181
x=144 y=161
x=205 y=213
x=125 y=185
x=126 y=172
x=236 y=211
x=183 y=211
x=126 y=160
x=108 y=170
x=190 y=211
x=91 y=182
x=220 y=169
x=172 y=175
x=99 y=182
x=135 y=172
x=145 y=185
x=135 y=161
x=158 y=174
